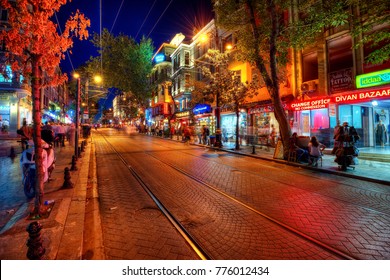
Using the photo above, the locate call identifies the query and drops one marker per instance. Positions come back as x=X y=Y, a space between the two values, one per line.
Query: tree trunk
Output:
x=271 y=80
x=39 y=173
x=281 y=117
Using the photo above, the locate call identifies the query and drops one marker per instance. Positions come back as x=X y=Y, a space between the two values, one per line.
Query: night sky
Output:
x=136 y=18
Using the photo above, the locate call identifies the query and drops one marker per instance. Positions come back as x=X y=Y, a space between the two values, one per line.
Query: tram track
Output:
x=201 y=252
x=324 y=181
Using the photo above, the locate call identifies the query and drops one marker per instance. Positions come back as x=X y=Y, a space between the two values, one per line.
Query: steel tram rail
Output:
x=204 y=255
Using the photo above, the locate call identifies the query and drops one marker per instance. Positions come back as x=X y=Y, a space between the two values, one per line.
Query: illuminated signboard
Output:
x=184 y=114
x=351 y=97
x=373 y=79
x=310 y=104
x=201 y=109
x=159 y=58
x=362 y=96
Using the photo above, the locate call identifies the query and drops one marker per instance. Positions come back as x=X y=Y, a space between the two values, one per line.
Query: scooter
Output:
x=27 y=164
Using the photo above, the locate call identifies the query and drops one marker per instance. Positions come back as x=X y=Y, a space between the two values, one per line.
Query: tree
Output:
x=126 y=64
x=35 y=49
x=265 y=35
x=226 y=87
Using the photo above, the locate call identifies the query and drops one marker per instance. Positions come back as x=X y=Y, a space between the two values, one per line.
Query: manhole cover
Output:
x=148 y=213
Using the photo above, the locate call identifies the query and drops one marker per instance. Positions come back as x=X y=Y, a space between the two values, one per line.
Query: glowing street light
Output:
x=97 y=79
x=76 y=139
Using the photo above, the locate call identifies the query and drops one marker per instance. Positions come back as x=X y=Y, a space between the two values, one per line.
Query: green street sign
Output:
x=373 y=79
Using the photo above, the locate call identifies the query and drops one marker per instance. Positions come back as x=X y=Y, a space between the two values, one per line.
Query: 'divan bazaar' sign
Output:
x=352 y=97
x=366 y=95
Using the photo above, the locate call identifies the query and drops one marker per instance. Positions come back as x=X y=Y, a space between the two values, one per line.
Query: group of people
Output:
x=312 y=154
x=343 y=135
x=61 y=133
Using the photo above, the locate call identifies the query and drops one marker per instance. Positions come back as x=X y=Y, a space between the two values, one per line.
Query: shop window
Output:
x=345 y=113
x=309 y=66
x=351 y=114
x=319 y=119
x=357 y=116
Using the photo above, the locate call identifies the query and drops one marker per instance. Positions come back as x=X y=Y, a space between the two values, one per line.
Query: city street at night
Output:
x=163 y=199
x=196 y=139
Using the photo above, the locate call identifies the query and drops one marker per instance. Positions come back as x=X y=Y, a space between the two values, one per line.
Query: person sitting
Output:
x=302 y=154
x=315 y=151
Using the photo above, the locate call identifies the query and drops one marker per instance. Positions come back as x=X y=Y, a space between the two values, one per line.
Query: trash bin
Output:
x=212 y=140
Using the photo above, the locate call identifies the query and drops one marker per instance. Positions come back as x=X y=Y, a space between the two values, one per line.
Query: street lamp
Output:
x=76 y=139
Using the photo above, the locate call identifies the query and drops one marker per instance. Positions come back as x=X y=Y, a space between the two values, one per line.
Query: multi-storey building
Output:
x=161 y=105
x=337 y=85
x=326 y=82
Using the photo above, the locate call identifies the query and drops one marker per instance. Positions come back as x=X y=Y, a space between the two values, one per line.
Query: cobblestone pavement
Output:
x=133 y=227
x=343 y=213
x=347 y=212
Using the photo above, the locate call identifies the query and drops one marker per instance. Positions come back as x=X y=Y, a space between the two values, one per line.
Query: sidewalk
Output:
x=367 y=170
x=62 y=232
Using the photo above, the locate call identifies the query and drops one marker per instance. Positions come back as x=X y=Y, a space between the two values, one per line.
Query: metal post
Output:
x=76 y=144
x=218 y=132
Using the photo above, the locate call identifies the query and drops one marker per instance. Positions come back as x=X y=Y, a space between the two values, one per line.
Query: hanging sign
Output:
x=159 y=58
x=201 y=109
x=373 y=79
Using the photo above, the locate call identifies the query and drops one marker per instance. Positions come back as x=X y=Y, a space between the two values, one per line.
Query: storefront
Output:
x=362 y=108
x=203 y=117
x=261 y=121
x=14 y=107
x=228 y=126
x=182 y=120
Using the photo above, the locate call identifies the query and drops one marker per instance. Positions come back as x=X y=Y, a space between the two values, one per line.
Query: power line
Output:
x=160 y=18
x=145 y=19
x=117 y=14
x=67 y=51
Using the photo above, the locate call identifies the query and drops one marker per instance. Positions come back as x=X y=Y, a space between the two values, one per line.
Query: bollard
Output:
x=85 y=143
x=253 y=150
x=82 y=146
x=34 y=243
x=73 y=167
x=79 y=149
x=67 y=179
x=12 y=153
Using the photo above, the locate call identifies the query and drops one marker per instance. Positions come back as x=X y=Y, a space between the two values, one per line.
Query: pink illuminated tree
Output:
x=34 y=48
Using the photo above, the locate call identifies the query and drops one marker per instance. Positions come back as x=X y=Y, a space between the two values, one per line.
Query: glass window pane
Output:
x=357 y=116
x=319 y=119
x=345 y=113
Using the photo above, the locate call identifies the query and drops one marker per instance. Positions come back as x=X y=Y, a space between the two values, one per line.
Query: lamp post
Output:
x=76 y=138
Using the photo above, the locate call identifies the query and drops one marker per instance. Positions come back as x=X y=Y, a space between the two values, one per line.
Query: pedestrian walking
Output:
x=205 y=135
